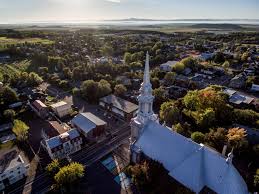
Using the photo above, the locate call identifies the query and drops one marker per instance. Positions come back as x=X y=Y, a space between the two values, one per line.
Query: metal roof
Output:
x=120 y=103
x=87 y=121
x=194 y=165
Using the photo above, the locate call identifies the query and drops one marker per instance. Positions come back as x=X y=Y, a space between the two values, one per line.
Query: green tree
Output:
x=256 y=179
x=181 y=129
x=120 y=90
x=191 y=100
x=8 y=95
x=89 y=90
x=178 y=67
x=53 y=167
x=9 y=114
x=21 y=130
x=170 y=113
x=160 y=96
x=217 y=138
x=155 y=82
x=245 y=116
x=169 y=78
x=191 y=63
x=205 y=119
x=244 y=56
x=198 y=137
x=34 y=79
x=69 y=174
x=104 y=88
x=127 y=58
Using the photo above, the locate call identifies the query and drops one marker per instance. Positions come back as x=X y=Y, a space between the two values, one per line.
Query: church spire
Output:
x=146 y=79
x=145 y=99
x=145 y=105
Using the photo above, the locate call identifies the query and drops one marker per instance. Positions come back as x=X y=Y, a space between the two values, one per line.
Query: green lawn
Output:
x=9 y=41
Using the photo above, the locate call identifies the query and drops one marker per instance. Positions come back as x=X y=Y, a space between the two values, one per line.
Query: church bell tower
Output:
x=145 y=100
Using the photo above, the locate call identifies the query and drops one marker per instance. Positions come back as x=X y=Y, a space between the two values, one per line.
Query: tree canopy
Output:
x=21 y=130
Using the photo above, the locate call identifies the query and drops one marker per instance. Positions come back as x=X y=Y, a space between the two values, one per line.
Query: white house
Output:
x=61 y=109
x=168 y=65
x=193 y=165
x=60 y=141
x=13 y=168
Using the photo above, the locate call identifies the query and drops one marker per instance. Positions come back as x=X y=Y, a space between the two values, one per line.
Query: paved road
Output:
x=86 y=156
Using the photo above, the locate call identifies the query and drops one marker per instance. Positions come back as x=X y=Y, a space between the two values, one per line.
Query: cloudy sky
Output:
x=13 y=11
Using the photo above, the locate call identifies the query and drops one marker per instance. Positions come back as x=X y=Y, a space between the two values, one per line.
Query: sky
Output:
x=19 y=11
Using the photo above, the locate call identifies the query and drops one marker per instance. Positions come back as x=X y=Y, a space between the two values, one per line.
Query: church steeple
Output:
x=146 y=98
x=146 y=79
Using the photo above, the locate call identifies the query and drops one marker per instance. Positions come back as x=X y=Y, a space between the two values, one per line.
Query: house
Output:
x=176 y=92
x=15 y=105
x=13 y=167
x=60 y=141
x=123 y=80
x=4 y=57
x=195 y=166
x=206 y=56
x=237 y=98
x=61 y=109
x=5 y=127
x=39 y=108
x=89 y=125
x=255 y=88
x=119 y=107
x=238 y=81
x=168 y=65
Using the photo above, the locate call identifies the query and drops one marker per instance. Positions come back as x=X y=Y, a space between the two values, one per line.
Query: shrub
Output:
x=198 y=137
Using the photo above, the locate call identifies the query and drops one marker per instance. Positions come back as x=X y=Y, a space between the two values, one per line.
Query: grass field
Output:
x=4 y=41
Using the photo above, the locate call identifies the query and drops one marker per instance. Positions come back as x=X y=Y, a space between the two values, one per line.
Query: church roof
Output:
x=192 y=164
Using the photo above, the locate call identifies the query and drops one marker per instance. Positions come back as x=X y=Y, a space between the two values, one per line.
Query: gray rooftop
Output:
x=120 y=103
x=87 y=121
x=10 y=160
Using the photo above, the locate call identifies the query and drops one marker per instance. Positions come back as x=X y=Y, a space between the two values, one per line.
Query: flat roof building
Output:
x=61 y=109
x=89 y=125
x=13 y=167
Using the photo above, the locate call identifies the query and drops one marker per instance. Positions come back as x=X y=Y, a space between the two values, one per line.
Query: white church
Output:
x=193 y=165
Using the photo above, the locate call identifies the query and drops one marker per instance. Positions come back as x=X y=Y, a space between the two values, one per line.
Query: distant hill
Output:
x=219 y=26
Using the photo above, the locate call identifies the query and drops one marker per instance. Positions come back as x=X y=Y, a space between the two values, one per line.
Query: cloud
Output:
x=114 y=1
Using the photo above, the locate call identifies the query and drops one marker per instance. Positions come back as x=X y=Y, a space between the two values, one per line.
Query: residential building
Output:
x=206 y=56
x=6 y=127
x=255 y=88
x=13 y=167
x=168 y=65
x=119 y=107
x=238 y=99
x=238 y=81
x=60 y=141
x=39 y=108
x=195 y=166
x=89 y=125
x=61 y=109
